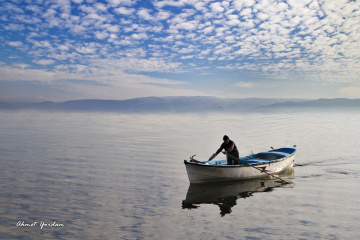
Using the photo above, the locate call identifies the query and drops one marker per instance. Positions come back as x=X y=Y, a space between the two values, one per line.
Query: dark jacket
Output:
x=227 y=146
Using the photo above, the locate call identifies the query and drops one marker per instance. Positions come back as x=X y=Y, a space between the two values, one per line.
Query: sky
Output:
x=120 y=49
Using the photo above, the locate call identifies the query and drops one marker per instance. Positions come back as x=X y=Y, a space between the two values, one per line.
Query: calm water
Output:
x=117 y=176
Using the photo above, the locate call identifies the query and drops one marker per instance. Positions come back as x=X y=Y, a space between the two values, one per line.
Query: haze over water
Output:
x=121 y=176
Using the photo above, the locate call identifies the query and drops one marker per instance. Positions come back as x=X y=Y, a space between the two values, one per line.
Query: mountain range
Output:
x=183 y=104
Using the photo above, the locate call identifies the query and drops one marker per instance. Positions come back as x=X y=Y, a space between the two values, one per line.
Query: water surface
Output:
x=119 y=176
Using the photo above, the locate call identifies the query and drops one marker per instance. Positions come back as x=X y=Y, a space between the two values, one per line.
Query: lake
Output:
x=121 y=176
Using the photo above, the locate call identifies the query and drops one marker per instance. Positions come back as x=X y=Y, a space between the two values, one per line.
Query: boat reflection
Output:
x=225 y=194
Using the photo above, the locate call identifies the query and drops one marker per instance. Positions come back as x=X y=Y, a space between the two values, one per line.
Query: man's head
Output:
x=226 y=138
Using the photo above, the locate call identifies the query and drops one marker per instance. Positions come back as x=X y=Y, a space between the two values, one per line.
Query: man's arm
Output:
x=219 y=150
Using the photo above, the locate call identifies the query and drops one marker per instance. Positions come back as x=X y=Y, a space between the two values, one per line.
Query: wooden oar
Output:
x=261 y=170
x=212 y=157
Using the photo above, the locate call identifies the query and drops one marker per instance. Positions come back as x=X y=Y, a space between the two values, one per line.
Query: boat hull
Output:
x=200 y=173
x=213 y=192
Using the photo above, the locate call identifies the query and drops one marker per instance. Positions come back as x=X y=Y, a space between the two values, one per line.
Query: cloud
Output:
x=109 y=80
x=101 y=7
x=116 y=3
x=133 y=64
x=97 y=17
x=240 y=4
x=139 y=36
x=86 y=50
x=145 y=14
x=162 y=15
x=124 y=42
x=125 y=11
x=216 y=7
x=11 y=8
x=173 y=3
x=245 y=84
x=15 y=43
x=101 y=35
x=44 y=61
x=186 y=25
x=188 y=49
x=209 y=29
x=19 y=73
x=14 y=27
x=113 y=29
x=352 y=91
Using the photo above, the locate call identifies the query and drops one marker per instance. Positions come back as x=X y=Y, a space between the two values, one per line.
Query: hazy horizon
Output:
x=187 y=105
x=34 y=99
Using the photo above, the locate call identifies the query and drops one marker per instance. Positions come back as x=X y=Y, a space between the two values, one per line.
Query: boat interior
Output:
x=257 y=158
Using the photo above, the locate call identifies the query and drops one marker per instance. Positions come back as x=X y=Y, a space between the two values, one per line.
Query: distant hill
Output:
x=187 y=105
x=320 y=104
x=150 y=104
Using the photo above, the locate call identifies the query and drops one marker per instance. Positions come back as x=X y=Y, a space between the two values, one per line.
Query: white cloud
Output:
x=44 y=61
x=352 y=91
x=113 y=83
x=245 y=84
x=125 y=11
x=78 y=29
x=101 y=7
x=216 y=7
x=187 y=57
x=208 y=29
x=223 y=50
x=139 y=36
x=15 y=43
x=206 y=52
x=240 y=4
x=200 y=5
x=14 y=27
x=113 y=29
x=162 y=15
x=123 y=42
x=247 y=12
x=188 y=49
x=101 y=35
x=114 y=3
x=262 y=16
x=133 y=64
x=88 y=9
x=145 y=14
x=186 y=25
x=298 y=4
x=63 y=5
x=112 y=37
x=174 y=3
x=86 y=50
x=23 y=74
x=11 y=8
x=230 y=39
x=95 y=16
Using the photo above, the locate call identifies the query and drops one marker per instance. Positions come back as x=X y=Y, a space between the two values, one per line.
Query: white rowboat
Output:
x=257 y=165
x=223 y=193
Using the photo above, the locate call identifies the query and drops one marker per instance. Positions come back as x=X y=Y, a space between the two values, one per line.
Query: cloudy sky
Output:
x=120 y=49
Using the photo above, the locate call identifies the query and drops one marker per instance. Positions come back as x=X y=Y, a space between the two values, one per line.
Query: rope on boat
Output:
x=282 y=180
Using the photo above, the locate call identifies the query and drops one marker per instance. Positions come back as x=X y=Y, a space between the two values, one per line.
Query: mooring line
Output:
x=258 y=169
